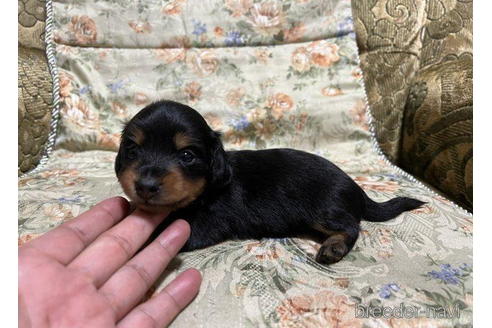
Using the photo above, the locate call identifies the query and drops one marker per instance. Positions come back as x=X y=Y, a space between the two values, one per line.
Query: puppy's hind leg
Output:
x=341 y=230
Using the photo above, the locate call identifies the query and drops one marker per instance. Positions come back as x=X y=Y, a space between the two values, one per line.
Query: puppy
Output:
x=170 y=159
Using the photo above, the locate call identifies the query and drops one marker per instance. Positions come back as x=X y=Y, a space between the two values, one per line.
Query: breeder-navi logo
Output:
x=407 y=312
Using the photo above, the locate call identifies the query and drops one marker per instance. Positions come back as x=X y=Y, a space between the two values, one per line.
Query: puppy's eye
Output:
x=187 y=156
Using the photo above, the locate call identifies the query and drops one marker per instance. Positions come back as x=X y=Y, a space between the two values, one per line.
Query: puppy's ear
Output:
x=117 y=164
x=221 y=171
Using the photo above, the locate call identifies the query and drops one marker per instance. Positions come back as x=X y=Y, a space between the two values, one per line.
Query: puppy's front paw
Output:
x=332 y=250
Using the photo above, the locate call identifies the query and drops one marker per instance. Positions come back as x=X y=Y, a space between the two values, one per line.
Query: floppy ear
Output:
x=117 y=164
x=221 y=171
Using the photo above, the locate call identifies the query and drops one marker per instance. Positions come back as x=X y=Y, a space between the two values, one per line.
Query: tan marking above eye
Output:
x=181 y=140
x=137 y=135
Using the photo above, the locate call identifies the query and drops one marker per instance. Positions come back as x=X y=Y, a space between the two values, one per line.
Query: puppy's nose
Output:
x=147 y=187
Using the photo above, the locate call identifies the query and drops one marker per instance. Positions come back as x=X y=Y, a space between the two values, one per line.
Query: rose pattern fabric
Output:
x=269 y=104
x=265 y=74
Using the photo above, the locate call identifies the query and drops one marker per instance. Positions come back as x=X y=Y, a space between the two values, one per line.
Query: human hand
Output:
x=84 y=272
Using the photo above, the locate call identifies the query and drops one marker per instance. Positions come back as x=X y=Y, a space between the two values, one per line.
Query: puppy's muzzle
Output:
x=147 y=187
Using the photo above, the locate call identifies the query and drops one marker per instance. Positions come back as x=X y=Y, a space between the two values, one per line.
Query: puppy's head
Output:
x=168 y=156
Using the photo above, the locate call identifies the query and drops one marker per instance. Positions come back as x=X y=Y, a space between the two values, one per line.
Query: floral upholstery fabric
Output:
x=437 y=141
x=417 y=62
x=34 y=85
x=399 y=38
x=35 y=99
x=266 y=74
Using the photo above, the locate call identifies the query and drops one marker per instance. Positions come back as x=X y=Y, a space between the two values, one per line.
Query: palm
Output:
x=76 y=275
x=67 y=297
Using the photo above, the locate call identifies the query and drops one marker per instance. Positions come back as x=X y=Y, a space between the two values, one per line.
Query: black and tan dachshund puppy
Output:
x=170 y=158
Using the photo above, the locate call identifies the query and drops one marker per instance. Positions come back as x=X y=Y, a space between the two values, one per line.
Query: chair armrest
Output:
x=34 y=85
x=34 y=109
x=437 y=136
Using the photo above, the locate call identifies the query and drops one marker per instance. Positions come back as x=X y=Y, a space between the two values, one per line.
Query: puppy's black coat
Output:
x=170 y=159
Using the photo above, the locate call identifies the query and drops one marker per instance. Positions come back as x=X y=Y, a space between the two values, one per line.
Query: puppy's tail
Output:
x=379 y=212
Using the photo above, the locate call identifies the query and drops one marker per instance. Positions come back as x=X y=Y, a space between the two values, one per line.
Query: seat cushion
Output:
x=420 y=259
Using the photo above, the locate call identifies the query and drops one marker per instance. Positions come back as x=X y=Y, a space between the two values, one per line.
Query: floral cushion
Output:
x=266 y=74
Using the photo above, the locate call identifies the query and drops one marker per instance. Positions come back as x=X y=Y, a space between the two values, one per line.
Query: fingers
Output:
x=130 y=283
x=161 y=309
x=116 y=246
x=66 y=241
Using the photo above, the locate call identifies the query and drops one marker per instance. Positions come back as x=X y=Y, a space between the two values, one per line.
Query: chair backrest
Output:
x=265 y=73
